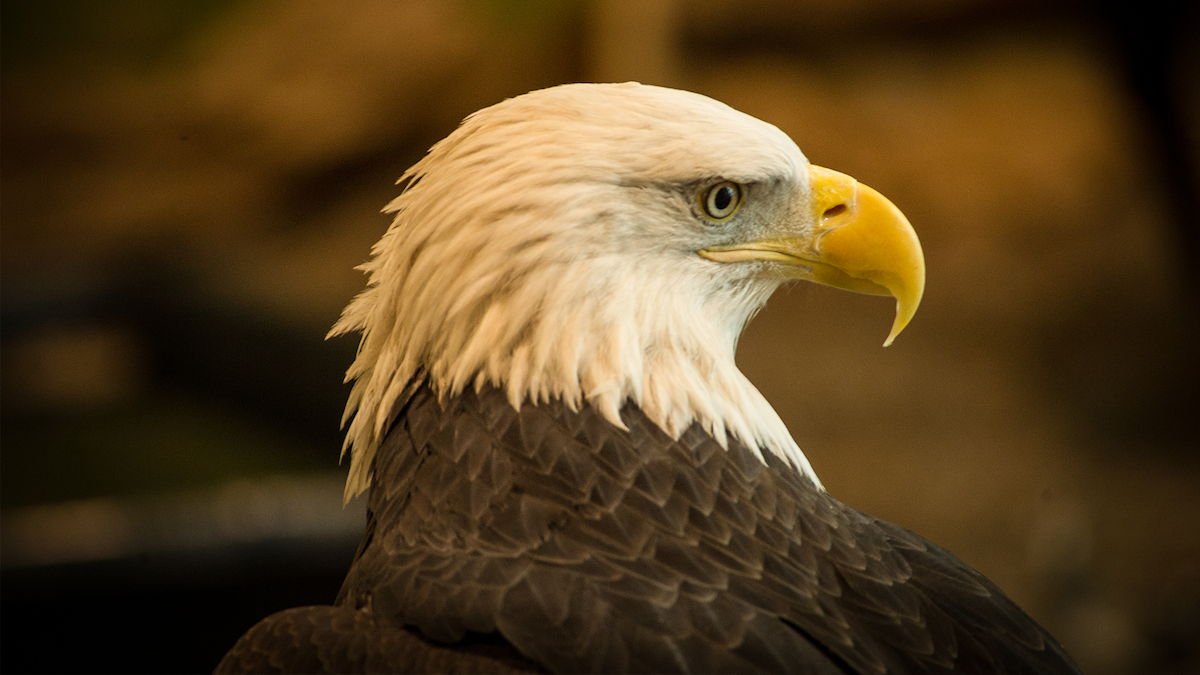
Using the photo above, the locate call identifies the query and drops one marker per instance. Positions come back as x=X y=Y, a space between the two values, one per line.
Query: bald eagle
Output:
x=567 y=470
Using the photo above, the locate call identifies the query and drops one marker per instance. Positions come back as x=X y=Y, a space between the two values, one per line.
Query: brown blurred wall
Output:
x=193 y=185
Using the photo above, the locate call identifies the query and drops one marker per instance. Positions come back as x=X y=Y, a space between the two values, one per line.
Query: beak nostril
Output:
x=835 y=210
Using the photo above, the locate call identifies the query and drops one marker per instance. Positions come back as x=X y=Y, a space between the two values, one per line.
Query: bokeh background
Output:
x=185 y=188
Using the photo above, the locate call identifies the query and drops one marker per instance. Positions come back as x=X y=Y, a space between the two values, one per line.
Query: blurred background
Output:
x=185 y=188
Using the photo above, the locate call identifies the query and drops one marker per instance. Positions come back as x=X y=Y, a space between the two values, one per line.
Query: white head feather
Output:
x=548 y=247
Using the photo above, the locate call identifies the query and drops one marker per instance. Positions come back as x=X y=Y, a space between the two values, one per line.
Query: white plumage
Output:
x=576 y=275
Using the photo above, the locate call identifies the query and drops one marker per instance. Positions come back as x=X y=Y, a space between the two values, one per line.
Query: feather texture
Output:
x=547 y=247
x=599 y=548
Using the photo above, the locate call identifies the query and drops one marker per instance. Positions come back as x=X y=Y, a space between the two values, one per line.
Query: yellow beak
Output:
x=859 y=241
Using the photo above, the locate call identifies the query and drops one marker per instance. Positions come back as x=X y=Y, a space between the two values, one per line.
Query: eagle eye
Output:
x=722 y=200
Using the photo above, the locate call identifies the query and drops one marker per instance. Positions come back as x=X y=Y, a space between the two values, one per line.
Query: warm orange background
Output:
x=186 y=188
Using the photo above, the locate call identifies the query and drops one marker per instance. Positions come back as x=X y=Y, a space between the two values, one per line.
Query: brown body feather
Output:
x=501 y=540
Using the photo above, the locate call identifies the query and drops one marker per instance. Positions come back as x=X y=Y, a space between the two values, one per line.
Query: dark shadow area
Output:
x=162 y=614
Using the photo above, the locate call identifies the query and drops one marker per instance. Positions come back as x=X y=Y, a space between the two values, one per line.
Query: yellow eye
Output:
x=722 y=200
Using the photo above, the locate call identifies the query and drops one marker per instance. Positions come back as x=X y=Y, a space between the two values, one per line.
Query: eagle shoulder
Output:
x=588 y=547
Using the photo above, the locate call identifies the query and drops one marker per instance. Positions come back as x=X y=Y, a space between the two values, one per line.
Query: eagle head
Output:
x=605 y=244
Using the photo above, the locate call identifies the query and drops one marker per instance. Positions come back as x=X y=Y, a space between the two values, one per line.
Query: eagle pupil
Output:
x=723 y=198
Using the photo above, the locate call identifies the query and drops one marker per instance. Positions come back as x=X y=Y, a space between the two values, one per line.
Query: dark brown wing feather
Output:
x=510 y=541
x=328 y=639
x=594 y=549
